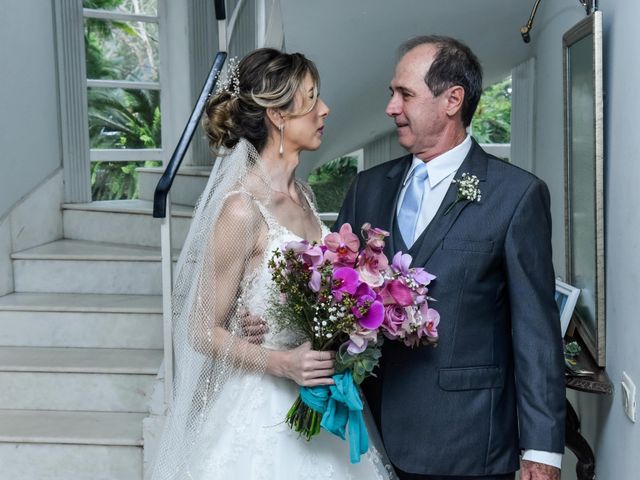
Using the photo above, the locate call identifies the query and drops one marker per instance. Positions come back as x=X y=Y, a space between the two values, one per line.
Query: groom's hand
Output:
x=254 y=328
x=538 y=471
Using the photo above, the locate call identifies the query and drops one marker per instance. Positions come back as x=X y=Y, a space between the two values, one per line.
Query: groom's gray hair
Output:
x=454 y=64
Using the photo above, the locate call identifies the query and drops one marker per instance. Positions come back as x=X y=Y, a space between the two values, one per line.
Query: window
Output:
x=123 y=81
x=491 y=125
x=330 y=183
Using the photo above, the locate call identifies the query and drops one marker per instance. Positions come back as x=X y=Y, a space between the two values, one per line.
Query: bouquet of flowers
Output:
x=345 y=299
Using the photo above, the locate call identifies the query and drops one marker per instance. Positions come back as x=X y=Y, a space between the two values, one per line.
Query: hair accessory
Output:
x=229 y=81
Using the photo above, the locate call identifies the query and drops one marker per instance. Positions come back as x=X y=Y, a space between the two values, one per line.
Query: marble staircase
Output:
x=81 y=345
x=187 y=186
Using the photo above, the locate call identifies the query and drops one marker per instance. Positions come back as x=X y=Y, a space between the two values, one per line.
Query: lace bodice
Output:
x=258 y=288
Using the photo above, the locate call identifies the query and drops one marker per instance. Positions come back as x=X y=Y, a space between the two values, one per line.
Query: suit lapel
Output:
x=387 y=208
x=474 y=164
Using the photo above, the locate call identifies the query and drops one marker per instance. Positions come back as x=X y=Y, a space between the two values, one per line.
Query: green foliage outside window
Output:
x=331 y=181
x=116 y=180
x=492 y=121
x=119 y=118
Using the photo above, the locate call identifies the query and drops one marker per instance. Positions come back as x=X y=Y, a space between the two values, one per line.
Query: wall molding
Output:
x=72 y=78
x=523 y=115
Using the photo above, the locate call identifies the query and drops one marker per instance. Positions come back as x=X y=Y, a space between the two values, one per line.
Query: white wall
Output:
x=615 y=439
x=29 y=118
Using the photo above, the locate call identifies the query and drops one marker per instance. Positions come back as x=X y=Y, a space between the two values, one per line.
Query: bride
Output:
x=231 y=395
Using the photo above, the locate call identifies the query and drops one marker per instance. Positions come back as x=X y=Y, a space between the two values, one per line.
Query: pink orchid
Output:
x=345 y=280
x=372 y=261
x=431 y=319
x=371 y=265
x=375 y=237
x=342 y=247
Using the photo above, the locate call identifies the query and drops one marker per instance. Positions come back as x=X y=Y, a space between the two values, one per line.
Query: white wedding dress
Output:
x=245 y=437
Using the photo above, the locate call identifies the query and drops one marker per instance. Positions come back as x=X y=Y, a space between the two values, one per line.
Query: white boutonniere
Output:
x=468 y=190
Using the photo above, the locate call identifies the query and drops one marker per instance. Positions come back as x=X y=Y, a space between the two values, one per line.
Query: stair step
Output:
x=78 y=266
x=187 y=185
x=80 y=360
x=66 y=249
x=84 y=379
x=140 y=207
x=130 y=222
x=81 y=302
x=78 y=428
x=81 y=320
x=50 y=445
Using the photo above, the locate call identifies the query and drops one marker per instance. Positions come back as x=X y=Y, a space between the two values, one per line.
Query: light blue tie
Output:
x=408 y=214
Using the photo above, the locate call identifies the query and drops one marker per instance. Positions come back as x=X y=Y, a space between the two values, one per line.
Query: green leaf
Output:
x=361 y=365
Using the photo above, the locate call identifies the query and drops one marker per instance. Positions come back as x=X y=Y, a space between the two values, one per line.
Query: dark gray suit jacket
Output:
x=495 y=383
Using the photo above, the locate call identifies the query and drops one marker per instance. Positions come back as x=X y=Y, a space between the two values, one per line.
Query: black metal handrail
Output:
x=166 y=180
x=221 y=13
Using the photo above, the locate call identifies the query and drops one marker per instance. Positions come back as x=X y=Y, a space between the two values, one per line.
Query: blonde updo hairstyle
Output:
x=267 y=78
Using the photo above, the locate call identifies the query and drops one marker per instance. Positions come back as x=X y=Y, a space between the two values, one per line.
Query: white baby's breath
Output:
x=468 y=190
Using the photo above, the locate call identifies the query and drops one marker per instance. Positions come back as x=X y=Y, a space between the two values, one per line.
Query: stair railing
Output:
x=162 y=197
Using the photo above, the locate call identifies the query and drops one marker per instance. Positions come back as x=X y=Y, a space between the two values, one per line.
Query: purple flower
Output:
x=357 y=345
x=296 y=246
x=359 y=340
x=394 y=317
x=313 y=258
x=421 y=276
x=395 y=291
x=369 y=309
x=315 y=280
x=345 y=280
x=401 y=263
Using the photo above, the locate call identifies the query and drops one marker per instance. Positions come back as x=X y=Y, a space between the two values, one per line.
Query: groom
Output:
x=493 y=388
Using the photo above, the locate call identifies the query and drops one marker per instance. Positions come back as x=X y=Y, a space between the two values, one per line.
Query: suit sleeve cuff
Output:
x=548 y=458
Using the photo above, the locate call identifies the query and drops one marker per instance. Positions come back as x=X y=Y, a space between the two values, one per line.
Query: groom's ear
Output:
x=275 y=117
x=454 y=97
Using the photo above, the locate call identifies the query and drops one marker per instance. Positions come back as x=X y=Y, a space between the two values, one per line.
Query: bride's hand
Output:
x=306 y=367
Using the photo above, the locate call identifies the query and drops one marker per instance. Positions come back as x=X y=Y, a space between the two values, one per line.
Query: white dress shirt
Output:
x=442 y=169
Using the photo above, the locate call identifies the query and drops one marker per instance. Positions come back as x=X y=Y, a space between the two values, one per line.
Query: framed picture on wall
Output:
x=584 y=180
x=566 y=299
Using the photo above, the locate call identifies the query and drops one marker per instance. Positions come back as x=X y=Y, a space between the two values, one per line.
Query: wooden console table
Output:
x=597 y=383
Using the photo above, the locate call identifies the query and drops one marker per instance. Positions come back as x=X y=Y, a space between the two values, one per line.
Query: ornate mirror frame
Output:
x=584 y=179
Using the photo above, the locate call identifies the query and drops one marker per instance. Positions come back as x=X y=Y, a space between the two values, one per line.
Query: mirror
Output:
x=584 y=202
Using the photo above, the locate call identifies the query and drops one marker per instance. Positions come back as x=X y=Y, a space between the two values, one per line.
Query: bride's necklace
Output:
x=302 y=206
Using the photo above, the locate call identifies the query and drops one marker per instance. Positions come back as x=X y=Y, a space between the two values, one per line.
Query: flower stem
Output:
x=303 y=419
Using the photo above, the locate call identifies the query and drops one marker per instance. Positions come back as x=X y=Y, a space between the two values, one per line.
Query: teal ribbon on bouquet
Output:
x=340 y=404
